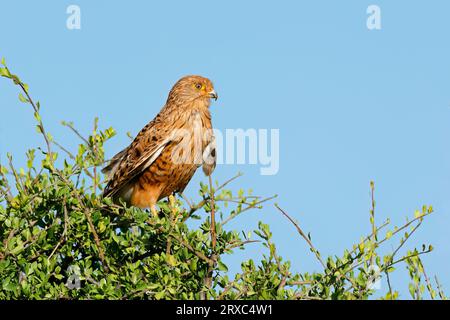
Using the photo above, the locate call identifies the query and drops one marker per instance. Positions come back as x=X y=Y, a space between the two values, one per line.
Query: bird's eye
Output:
x=198 y=86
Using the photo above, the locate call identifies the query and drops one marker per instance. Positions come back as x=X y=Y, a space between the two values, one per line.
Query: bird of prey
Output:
x=165 y=154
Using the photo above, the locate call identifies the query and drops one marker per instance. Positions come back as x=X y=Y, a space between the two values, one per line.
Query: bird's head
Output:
x=191 y=88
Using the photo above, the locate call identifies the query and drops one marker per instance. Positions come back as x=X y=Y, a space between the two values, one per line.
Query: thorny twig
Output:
x=64 y=234
x=304 y=236
x=213 y=212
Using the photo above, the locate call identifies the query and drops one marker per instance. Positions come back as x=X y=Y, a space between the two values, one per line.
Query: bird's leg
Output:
x=153 y=211
x=172 y=200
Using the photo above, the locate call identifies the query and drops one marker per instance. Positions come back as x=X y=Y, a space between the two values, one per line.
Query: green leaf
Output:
x=37 y=116
x=159 y=295
x=4 y=73
x=23 y=99
x=171 y=260
x=222 y=266
x=193 y=265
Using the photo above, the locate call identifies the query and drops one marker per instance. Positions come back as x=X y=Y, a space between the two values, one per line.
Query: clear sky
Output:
x=352 y=104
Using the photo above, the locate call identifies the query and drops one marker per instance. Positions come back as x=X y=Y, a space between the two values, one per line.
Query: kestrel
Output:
x=165 y=154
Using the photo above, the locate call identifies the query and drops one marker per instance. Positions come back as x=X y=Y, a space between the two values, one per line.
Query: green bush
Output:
x=60 y=240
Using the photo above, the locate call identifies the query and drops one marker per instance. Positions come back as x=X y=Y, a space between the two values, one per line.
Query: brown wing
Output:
x=142 y=152
x=113 y=164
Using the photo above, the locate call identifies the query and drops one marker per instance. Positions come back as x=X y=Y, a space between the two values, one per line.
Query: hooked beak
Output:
x=213 y=95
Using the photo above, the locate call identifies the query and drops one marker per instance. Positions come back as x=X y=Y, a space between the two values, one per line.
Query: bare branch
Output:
x=304 y=236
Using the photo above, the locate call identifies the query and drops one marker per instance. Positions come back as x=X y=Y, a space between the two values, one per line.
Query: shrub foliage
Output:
x=60 y=240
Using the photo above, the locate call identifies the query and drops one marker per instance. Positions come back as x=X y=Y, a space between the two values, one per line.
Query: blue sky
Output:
x=352 y=105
